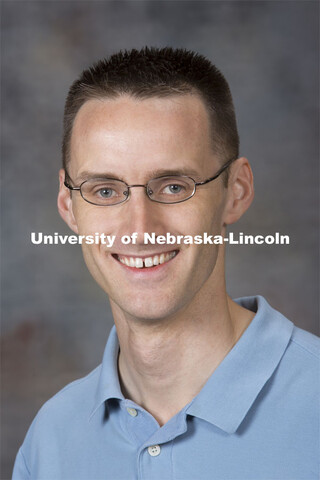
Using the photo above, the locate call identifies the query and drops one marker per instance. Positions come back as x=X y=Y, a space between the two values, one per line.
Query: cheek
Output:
x=92 y=219
x=212 y=215
x=203 y=217
x=95 y=259
x=198 y=218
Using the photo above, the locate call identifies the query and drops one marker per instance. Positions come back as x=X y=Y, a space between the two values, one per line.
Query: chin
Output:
x=148 y=310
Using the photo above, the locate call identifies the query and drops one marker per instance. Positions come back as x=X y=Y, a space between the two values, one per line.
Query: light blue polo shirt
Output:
x=255 y=418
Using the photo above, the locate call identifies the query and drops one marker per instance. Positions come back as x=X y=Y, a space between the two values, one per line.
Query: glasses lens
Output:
x=105 y=191
x=172 y=189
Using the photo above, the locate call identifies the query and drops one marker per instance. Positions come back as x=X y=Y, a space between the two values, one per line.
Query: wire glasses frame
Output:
x=154 y=188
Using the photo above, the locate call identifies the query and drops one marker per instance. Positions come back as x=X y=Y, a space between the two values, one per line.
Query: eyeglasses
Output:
x=106 y=192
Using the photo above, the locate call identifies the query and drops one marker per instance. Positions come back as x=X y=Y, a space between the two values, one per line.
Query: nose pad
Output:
x=142 y=213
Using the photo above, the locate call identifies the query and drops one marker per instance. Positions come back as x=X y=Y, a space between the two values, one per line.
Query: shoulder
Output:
x=297 y=350
x=79 y=393
x=299 y=371
x=300 y=342
x=59 y=422
x=74 y=402
x=303 y=353
x=302 y=359
x=307 y=343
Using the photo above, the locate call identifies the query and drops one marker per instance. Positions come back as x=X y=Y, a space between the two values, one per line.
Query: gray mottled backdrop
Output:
x=55 y=320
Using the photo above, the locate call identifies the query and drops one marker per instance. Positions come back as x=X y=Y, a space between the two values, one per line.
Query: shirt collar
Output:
x=108 y=383
x=234 y=385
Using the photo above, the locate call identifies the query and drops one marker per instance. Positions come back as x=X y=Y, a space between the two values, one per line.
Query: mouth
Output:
x=143 y=262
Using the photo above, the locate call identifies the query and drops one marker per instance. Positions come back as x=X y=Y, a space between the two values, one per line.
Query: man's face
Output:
x=136 y=140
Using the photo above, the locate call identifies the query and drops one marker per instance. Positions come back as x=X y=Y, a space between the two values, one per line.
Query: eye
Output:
x=173 y=189
x=170 y=189
x=105 y=192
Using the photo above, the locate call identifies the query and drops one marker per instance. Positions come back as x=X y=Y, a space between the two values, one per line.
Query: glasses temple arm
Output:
x=66 y=184
x=222 y=169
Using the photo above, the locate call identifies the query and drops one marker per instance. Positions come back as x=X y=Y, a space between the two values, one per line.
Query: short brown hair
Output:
x=158 y=72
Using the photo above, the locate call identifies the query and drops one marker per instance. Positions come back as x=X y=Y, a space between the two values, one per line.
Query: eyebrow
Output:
x=88 y=175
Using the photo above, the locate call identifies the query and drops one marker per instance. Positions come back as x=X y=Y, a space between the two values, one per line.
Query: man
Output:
x=193 y=385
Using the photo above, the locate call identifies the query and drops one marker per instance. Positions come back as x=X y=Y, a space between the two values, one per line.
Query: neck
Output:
x=163 y=365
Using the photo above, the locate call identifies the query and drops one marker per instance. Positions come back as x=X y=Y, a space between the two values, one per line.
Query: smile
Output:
x=146 y=262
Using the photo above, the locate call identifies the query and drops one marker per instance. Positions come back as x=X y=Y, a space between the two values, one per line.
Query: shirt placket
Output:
x=154 y=458
x=154 y=444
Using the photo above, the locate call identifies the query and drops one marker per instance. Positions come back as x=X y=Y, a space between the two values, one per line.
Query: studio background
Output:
x=55 y=320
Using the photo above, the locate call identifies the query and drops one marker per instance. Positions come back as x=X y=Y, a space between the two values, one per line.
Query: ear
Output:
x=240 y=191
x=65 y=203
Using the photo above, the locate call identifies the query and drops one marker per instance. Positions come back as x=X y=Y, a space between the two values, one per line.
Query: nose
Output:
x=141 y=214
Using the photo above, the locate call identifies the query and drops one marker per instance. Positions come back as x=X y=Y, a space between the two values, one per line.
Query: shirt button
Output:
x=154 y=451
x=132 y=411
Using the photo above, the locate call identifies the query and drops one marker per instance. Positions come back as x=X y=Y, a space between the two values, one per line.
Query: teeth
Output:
x=138 y=262
x=132 y=263
x=148 y=262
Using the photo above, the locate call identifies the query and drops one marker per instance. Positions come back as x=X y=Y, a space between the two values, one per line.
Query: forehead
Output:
x=134 y=133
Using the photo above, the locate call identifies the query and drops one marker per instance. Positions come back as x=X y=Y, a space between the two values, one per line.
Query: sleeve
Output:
x=20 y=469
